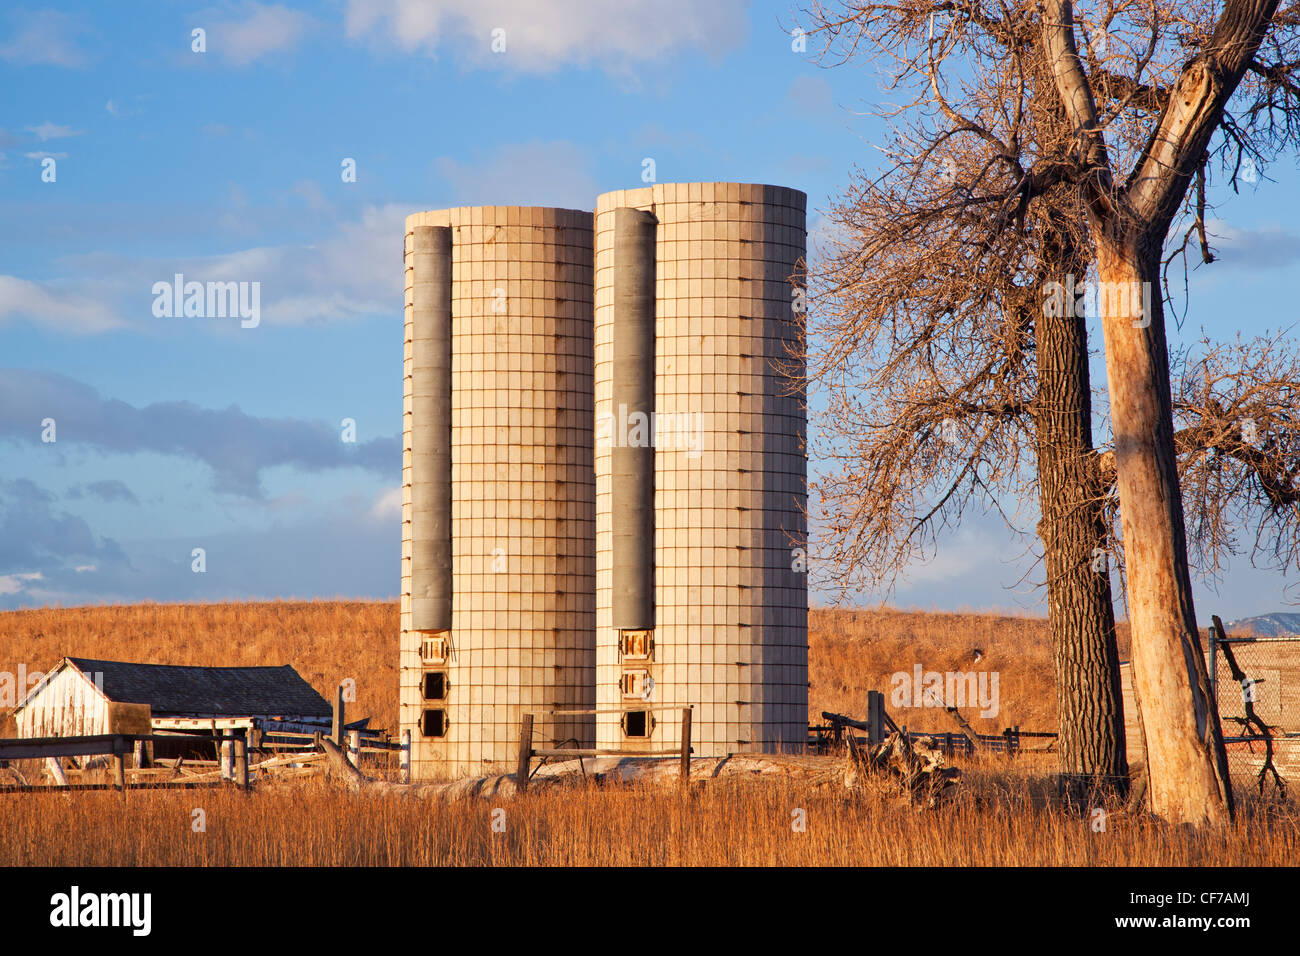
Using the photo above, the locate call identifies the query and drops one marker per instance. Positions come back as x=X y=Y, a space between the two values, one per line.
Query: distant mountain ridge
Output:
x=1278 y=624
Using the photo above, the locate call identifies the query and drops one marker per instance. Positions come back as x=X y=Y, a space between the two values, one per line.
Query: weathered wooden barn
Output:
x=81 y=696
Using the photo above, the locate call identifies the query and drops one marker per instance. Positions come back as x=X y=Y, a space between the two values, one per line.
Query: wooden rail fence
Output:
x=233 y=753
x=523 y=770
x=964 y=740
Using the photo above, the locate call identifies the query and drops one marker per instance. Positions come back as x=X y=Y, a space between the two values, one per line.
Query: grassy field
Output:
x=850 y=652
x=1003 y=812
x=999 y=819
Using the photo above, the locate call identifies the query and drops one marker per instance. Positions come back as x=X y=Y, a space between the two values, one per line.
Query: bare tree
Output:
x=1237 y=433
x=1140 y=110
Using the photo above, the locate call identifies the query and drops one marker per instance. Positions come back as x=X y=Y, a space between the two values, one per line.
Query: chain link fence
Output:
x=1256 y=681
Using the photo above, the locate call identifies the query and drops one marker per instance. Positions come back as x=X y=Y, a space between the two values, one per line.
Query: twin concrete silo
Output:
x=663 y=571
x=498 y=558
x=701 y=595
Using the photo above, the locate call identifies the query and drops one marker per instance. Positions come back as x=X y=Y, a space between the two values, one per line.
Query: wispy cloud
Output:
x=542 y=35
x=54 y=304
x=1258 y=249
x=108 y=490
x=236 y=446
x=43 y=38
x=346 y=275
x=339 y=551
x=257 y=31
x=37 y=538
x=48 y=131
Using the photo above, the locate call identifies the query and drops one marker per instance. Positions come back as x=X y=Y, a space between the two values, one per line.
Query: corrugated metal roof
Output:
x=206 y=691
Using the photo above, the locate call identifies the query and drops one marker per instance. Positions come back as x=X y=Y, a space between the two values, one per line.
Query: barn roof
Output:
x=209 y=691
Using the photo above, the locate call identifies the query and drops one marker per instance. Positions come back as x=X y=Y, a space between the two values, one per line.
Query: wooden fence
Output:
x=523 y=771
x=234 y=759
x=964 y=741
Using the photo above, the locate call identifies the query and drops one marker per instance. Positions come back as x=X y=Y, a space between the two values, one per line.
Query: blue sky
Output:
x=180 y=433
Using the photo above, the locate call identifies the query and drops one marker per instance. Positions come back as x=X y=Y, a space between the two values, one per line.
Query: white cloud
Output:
x=49 y=304
x=1255 y=249
x=542 y=35
x=44 y=38
x=44 y=155
x=262 y=31
x=48 y=131
x=353 y=273
x=13 y=583
x=387 y=505
x=119 y=110
x=532 y=174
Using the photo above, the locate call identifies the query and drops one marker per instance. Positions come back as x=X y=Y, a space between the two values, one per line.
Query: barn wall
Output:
x=67 y=706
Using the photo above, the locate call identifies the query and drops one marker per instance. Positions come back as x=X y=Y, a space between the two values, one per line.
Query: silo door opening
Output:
x=637 y=645
x=433 y=723
x=434 y=685
x=637 y=723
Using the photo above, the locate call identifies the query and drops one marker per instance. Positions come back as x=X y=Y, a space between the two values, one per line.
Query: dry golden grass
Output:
x=1002 y=814
x=995 y=823
x=325 y=641
x=850 y=652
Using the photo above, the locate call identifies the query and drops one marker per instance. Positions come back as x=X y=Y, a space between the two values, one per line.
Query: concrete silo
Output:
x=498 y=505
x=701 y=594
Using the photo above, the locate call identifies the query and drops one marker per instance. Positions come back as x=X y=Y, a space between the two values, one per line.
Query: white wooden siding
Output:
x=67 y=705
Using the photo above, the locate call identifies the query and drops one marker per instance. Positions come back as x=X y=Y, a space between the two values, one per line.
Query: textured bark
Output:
x=1081 y=612
x=1073 y=528
x=1186 y=762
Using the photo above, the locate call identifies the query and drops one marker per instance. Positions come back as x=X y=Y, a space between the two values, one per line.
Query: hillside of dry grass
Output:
x=1002 y=814
x=850 y=651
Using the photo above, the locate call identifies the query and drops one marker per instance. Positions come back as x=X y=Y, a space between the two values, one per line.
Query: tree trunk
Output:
x=1186 y=763
x=1081 y=613
x=1074 y=532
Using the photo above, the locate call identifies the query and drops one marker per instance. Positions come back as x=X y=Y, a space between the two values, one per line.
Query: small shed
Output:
x=81 y=696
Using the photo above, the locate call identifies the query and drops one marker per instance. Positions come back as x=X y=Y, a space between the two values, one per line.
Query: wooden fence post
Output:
x=241 y=763
x=685 y=772
x=339 y=720
x=354 y=748
x=525 y=753
x=875 y=717
x=406 y=756
x=226 y=758
x=119 y=764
